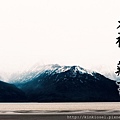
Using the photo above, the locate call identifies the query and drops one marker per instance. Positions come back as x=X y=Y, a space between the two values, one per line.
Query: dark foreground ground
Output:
x=62 y=117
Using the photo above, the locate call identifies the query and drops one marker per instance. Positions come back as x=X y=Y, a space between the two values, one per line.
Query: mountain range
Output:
x=55 y=83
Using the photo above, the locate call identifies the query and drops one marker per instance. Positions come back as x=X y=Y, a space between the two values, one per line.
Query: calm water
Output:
x=59 y=108
x=59 y=111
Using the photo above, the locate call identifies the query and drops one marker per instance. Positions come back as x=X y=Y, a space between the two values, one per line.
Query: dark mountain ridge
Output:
x=69 y=84
x=10 y=93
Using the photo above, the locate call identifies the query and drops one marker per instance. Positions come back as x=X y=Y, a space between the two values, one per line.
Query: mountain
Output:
x=29 y=74
x=54 y=83
x=10 y=93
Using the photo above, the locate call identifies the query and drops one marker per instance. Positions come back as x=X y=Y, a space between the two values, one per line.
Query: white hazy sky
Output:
x=66 y=32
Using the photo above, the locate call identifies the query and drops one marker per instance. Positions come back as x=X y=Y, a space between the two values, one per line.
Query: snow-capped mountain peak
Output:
x=37 y=70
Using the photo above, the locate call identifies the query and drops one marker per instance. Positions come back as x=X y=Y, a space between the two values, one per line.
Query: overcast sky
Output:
x=66 y=32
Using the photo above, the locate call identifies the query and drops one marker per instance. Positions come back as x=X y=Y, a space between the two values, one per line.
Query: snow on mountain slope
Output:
x=35 y=71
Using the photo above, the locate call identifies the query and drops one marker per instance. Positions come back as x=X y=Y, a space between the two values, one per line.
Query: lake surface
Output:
x=59 y=108
x=60 y=111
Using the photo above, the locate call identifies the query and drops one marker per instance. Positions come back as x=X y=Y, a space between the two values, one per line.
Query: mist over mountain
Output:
x=30 y=72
